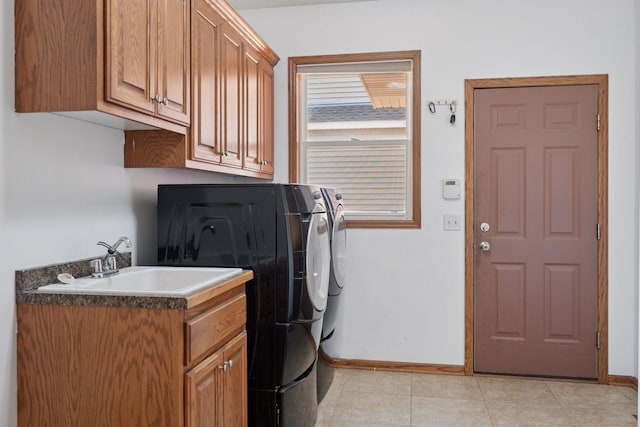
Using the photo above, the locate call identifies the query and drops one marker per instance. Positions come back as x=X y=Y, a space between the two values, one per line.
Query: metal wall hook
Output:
x=452 y=103
x=452 y=108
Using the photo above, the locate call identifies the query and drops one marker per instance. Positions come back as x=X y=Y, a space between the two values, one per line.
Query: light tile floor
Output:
x=361 y=398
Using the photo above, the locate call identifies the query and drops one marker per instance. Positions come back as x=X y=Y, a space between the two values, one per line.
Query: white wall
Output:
x=404 y=300
x=63 y=188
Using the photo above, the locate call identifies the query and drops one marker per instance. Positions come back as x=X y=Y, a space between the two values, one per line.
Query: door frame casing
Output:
x=602 y=82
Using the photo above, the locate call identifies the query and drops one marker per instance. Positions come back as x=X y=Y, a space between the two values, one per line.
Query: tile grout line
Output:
x=559 y=401
x=333 y=411
x=411 y=402
x=486 y=403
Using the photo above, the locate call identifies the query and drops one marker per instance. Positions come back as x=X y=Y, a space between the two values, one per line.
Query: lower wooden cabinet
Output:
x=216 y=389
x=130 y=366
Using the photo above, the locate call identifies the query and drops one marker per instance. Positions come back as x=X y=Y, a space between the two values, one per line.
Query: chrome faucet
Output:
x=107 y=265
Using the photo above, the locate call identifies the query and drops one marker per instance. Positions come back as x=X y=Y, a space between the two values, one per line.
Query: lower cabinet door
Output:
x=203 y=388
x=234 y=396
x=216 y=389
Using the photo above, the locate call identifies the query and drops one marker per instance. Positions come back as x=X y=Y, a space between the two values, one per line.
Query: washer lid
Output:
x=318 y=261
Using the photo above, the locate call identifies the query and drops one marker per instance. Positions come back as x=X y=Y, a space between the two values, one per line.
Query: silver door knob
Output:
x=485 y=246
x=484 y=227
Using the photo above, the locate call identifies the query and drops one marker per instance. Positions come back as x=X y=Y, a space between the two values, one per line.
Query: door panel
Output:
x=536 y=186
x=173 y=59
x=234 y=396
x=265 y=136
x=508 y=176
x=252 y=108
x=205 y=127
x=130 y=59
x=203 y=390
x=231 y=92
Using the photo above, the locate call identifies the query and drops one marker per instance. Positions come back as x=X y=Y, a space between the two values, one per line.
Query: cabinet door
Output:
x=205 y=47
x=265 y=137
x=252 y=158
x=203 y=388
x=173 y=59
x=231 y=93
x=258 y=113
x=130 y=28
x=234 y=395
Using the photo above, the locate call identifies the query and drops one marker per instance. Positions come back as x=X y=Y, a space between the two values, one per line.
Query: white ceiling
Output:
x=259 y=4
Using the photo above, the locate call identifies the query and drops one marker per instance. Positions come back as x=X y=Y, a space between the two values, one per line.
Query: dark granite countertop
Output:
x=28 y=281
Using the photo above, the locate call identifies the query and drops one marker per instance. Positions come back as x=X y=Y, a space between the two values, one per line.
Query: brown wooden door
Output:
x=131 y=28
x=205 y=133
x=203 y=389
x=536 y=188
x=173 y=59
x=234 y=395
x=231 y=97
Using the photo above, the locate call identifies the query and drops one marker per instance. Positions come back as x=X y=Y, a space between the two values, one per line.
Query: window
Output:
x=355 y=126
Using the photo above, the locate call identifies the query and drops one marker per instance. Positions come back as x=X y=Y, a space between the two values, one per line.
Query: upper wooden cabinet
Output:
x=232 y=101
x=148 y=56
x=127 y=58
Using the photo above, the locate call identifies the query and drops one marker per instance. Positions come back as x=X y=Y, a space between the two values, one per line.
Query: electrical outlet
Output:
x=452 y=222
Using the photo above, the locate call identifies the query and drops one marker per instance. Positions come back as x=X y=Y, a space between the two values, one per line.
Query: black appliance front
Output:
x=262 y=227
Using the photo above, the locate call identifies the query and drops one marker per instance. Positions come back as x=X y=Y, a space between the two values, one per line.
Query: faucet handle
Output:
x=106 y=245
x=112 y=265
x=96 y=267
x=113 y=249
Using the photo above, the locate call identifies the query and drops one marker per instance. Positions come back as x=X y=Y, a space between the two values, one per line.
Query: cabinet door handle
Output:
x=224 y=366
x=165 y=101
x=156 y=98
x=230 y=363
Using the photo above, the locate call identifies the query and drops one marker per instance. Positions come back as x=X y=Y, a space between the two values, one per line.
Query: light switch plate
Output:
x=452 y=222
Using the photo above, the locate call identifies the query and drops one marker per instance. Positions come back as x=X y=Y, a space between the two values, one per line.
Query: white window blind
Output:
x=372 y=177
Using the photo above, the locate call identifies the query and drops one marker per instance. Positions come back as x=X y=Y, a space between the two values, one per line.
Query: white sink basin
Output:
x=147 y=281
